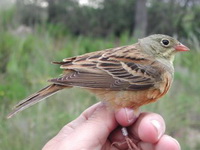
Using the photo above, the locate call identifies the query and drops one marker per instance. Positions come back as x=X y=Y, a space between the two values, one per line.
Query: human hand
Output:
x=98 y=127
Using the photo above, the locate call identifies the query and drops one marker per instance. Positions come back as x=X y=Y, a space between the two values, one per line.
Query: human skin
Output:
x=98 y=127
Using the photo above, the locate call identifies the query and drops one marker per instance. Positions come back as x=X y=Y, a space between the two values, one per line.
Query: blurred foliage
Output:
x=111 y=17
x=33 y=35
x=87 y=20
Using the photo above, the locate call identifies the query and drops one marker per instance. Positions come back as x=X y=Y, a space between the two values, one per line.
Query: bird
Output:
x=127 y=76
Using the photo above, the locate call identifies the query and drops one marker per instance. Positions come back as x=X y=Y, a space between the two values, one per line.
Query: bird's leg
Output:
x=128 y=141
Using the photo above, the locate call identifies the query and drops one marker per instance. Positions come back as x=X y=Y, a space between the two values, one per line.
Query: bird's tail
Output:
x=36 y=97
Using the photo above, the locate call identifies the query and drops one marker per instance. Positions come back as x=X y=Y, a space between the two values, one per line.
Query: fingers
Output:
x=126 y=116
x=91 y=129
x=82 y=118
x=70 y=127
x=148 y=128
x=100 y=122
x=165 y=143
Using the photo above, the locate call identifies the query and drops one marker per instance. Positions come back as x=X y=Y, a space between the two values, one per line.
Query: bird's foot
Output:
x=131 y=144
x=129 y=141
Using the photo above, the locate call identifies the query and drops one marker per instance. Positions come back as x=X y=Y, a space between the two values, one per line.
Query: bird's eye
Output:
x=165 y=42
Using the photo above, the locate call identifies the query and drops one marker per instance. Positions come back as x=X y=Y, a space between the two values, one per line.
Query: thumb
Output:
x=126 y=116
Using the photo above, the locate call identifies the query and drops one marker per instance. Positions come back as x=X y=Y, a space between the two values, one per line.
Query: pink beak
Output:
x=181 y=47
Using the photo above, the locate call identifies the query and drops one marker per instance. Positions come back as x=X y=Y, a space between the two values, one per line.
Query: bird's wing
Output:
x=122 y=68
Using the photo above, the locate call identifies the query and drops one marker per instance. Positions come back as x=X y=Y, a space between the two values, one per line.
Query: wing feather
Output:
x=123 y=68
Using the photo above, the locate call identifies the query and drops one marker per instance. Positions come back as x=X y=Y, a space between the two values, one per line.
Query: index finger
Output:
x=148 y=128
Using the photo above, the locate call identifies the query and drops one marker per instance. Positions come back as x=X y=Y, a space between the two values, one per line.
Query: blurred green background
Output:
x=35 y=32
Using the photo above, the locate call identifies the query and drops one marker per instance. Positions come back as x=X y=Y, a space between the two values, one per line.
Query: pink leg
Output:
x=128 y=141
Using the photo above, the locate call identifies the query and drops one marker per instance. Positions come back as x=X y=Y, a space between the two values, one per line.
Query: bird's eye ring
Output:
x=165 y=42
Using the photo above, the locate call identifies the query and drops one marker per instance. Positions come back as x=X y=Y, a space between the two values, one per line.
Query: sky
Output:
x=83 y=2
x=43 y=3
x=8 y=2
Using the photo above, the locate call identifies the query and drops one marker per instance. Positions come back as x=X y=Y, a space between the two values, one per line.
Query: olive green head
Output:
x=162 y=46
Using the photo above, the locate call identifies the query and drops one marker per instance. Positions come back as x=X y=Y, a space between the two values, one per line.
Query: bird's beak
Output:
x=181 y=47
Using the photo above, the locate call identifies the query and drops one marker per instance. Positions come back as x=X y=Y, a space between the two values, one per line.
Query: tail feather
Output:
x=36 y=97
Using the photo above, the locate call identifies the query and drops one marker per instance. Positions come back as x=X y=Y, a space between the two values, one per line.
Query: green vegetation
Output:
x=25 y=67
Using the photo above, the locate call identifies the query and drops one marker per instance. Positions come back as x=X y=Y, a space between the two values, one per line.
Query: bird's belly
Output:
x=134 y=99
x=131 y=99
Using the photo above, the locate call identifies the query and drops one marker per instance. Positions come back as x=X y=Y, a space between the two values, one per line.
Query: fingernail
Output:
x=130 y=115
x=158 y=128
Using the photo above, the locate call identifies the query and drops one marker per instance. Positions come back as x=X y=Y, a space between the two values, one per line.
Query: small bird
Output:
x=128 y=76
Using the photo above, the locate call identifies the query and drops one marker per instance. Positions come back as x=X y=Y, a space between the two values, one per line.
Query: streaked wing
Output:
x=90 y=80
x=122 y=68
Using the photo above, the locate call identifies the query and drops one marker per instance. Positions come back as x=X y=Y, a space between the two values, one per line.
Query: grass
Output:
x=27 y=67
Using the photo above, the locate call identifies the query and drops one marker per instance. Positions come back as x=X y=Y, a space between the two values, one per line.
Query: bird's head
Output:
x=162 y=46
